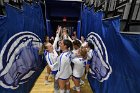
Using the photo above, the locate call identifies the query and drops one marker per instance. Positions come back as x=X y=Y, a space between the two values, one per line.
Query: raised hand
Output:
x=58 y=29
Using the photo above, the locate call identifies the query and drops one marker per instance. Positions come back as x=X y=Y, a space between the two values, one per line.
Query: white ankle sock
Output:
x=67 y=91
x=62 y=90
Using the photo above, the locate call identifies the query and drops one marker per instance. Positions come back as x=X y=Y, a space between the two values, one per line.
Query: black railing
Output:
x=129 y=10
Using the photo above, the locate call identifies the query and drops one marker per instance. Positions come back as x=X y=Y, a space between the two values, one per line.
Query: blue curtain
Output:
x=87 y=17
x=78 y=29
x=48 y=28
x=33 y=18
x=20 y=64
x=28 y=16
x=14 y=18
x=84 y=20
x=95 y=23
x=3 y=31
x=123 y=56
x=9 y=23
x=38 y=24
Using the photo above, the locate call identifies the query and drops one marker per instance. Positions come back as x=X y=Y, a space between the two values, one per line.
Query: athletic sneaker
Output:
x=74 y=88
x=47 y=82
x=81 y=82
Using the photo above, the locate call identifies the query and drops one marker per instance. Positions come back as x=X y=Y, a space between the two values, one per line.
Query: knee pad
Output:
x=78 y=88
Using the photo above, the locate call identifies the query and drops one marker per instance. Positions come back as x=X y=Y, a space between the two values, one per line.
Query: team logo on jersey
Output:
x=100 y=68
x=19 y=59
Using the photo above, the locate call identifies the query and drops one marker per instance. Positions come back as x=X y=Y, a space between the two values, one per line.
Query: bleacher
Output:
x=129 y=10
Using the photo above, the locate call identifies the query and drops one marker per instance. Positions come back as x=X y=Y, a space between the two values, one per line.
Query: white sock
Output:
x=62 y=91
x=56 y=91
x=67 y=91
x=78 y=88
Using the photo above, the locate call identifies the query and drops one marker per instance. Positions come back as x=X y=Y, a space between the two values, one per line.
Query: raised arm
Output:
x=57 y=37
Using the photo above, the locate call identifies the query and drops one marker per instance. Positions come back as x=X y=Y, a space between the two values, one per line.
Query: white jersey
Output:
x=89 y=54
x=64 y=66
x=79 y=67
x=51 y=59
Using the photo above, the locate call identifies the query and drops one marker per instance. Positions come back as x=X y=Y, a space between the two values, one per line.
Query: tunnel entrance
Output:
x=63 y=13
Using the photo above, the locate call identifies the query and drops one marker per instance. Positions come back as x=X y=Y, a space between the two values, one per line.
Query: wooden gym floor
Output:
x=40 y=86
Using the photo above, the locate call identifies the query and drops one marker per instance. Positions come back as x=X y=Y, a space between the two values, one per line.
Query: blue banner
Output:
x=78 y=29
x=116 y=67
x=84 y=20
x=20 y=63
x=87 y=17
x=48 y=28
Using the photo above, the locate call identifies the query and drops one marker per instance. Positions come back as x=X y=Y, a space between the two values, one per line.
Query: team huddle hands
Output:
x=66 y=58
